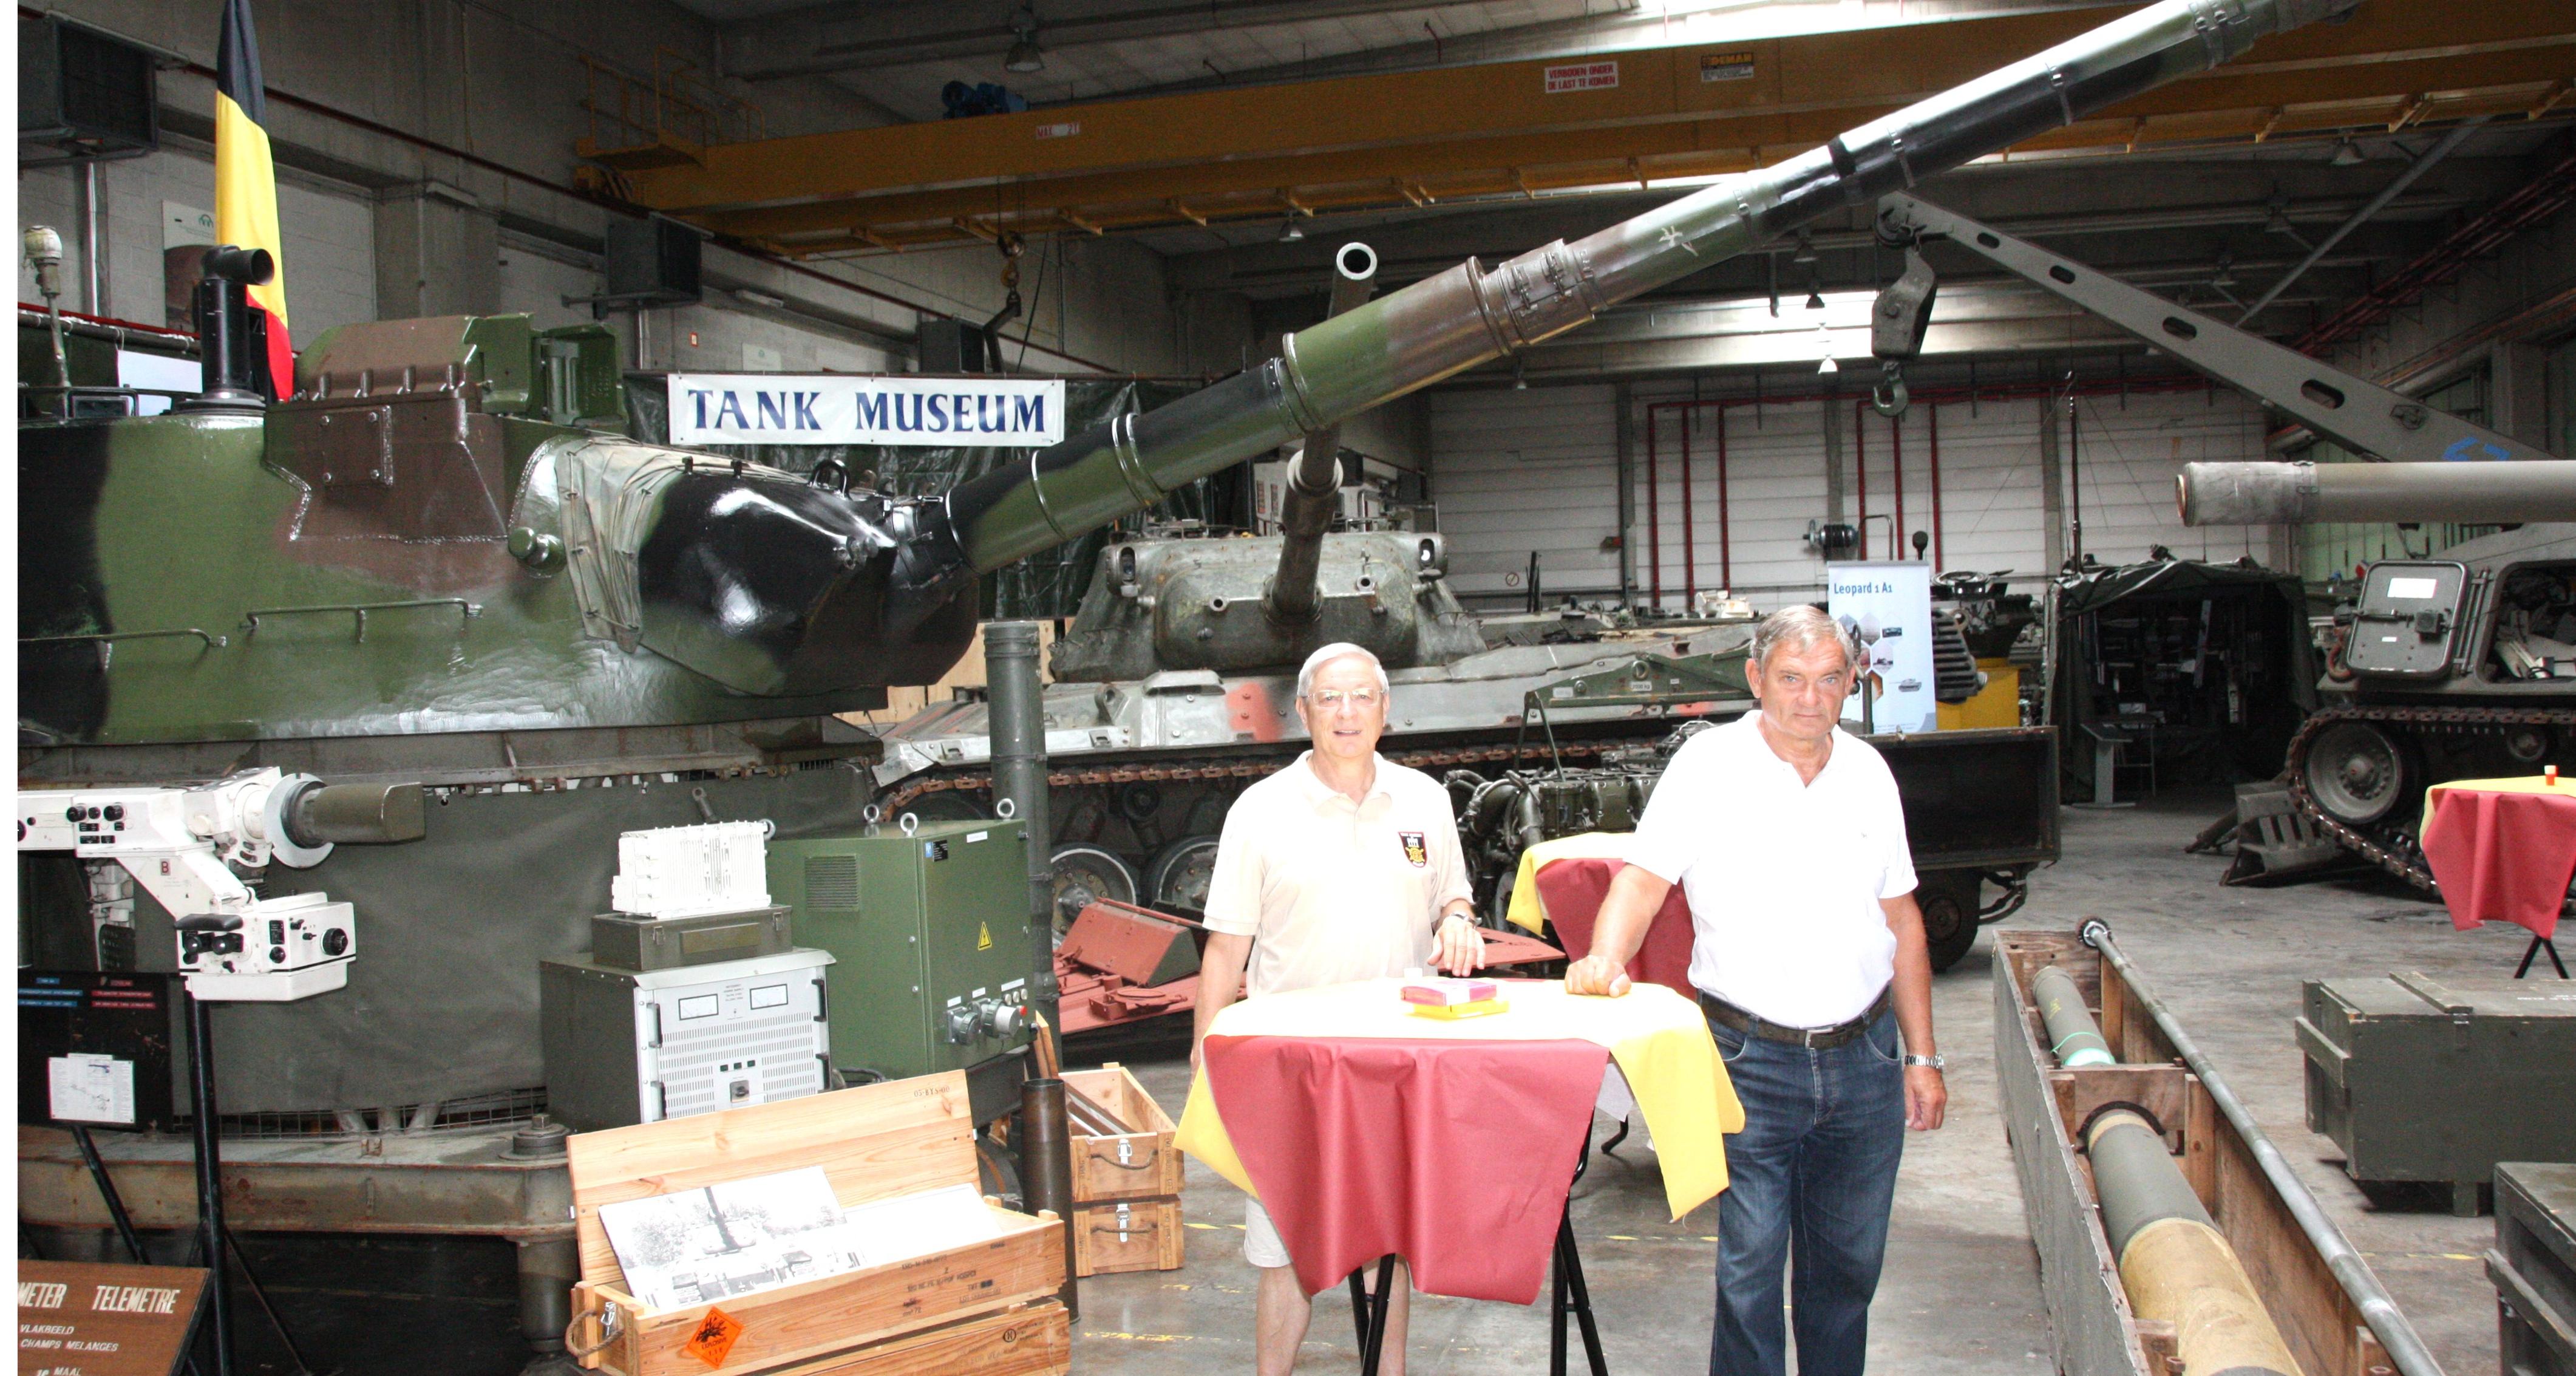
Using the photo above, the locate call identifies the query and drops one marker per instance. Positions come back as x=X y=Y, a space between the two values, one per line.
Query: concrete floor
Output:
x=1961 y=1293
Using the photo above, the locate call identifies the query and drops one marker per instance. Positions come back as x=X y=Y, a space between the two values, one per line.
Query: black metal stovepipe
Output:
x=1046 y=1168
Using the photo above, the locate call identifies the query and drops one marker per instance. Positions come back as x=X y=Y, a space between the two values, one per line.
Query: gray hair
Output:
x=1340 y=649
x=1798 y=627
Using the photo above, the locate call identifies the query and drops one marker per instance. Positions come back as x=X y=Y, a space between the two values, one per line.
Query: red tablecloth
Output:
x=1455 y=1155
x=1572 y=890
x=2502 y=855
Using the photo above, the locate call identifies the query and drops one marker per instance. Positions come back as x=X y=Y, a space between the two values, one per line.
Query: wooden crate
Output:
x=1128 y=1235
x=2094 y=1330
x=872 y=1142
x=1138 y=1165
x=1034 y=1341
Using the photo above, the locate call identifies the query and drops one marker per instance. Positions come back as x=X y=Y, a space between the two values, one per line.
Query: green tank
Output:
x=435 y=560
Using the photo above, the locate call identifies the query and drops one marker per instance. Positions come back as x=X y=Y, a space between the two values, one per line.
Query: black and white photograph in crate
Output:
x=702 y=1245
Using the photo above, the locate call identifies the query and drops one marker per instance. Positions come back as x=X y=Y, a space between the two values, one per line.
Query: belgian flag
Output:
x=246 y=184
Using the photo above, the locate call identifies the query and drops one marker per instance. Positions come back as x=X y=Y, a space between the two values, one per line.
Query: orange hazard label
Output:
x=713 y=1337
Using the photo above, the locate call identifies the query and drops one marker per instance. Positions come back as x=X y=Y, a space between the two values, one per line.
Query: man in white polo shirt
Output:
x=1788 y=837
x=1339 y=867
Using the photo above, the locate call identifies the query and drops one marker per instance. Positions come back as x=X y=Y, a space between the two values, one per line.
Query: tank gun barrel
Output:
x=2236 y=494
x=1314 y=485
x=1469 y=315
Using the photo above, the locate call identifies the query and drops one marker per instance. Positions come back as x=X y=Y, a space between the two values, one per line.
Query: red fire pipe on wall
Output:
x=1932 y=424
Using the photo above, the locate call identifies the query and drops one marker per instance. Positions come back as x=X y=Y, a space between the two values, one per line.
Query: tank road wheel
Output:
x=1179 y=877
x=1084 y=875
x=2356 y=773
x=1948 y=899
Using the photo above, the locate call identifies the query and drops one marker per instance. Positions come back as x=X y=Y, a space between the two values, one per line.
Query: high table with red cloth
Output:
x=1366 y=1131
x=1564 y=882
x=2502 y=850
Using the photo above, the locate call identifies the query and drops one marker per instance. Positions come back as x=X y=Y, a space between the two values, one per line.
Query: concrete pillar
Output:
x=438 y=252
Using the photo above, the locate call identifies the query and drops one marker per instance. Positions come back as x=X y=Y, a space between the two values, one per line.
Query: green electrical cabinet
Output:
x=929 y=934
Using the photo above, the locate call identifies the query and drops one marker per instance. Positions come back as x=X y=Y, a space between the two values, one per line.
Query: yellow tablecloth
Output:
x=1526 y=910
x=1659 y=1039
x=2525 y=783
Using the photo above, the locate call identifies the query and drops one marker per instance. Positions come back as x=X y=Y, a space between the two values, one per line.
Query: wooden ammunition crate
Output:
x=984 y=1306
x=1137 y=1165
x=2046 y=1106
x=1127 y=1186
x=1128 y=1235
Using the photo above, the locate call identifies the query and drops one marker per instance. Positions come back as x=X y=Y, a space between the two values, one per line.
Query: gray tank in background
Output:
x=2458 y=666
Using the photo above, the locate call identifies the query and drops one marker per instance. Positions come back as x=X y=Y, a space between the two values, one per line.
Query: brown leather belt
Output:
x=1729 y=1016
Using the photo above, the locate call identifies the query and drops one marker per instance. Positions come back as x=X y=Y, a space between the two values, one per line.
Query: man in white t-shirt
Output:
x=1339 y=867
x=1788 y=837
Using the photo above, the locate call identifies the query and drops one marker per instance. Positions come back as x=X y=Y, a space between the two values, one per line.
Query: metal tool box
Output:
x=621 y=941
x=630 y=1046
x=2426 y=1079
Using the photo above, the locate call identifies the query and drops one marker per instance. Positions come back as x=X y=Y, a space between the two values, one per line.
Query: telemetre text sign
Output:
x=777 y=408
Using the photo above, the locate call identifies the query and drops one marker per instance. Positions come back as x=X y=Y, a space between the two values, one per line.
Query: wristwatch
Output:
x=1935 y=1062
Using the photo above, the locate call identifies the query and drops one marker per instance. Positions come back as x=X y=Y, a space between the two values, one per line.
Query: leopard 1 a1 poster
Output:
x=1887 y=607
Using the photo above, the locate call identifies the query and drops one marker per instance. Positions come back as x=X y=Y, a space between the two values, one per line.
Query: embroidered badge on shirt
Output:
x=1414 y=849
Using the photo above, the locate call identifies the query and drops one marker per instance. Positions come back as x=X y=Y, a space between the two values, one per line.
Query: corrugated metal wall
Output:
x=1520 y=471
x=1517 y=471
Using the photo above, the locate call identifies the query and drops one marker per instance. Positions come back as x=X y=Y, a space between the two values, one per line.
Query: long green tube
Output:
x=2072 y=1036
x=2174 y=1263
x=1466 y=316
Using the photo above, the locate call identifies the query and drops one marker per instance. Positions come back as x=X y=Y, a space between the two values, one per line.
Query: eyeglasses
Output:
x=1326 y=699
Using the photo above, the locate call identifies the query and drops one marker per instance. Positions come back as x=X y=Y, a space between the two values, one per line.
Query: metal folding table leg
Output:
x=2538 y=945
x=1373 y=1334
x=1571 y=1295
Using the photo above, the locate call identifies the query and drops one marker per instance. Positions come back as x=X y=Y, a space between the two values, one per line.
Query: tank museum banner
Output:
x=841 y=408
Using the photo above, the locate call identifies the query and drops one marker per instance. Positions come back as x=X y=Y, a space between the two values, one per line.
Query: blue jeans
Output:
x=1813 y=1174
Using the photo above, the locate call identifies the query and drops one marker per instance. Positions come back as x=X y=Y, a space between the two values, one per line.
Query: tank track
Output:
x=2392 y=844
x=979 y=781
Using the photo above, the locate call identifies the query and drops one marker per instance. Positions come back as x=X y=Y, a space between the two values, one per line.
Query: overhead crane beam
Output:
x=1498 y=129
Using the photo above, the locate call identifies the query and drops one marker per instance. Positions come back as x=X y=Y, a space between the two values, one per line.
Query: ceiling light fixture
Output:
x=1815 y=300
x=2347 y=153
x=1025 y=54
x=1519 y=382
x=1289 y=233
x=1825 y=346
x=1806 y=249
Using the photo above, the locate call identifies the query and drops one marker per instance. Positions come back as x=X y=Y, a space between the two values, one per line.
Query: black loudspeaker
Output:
x=950 y=345
x=652 y=262
x=87 y=92
x=107 y=1049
